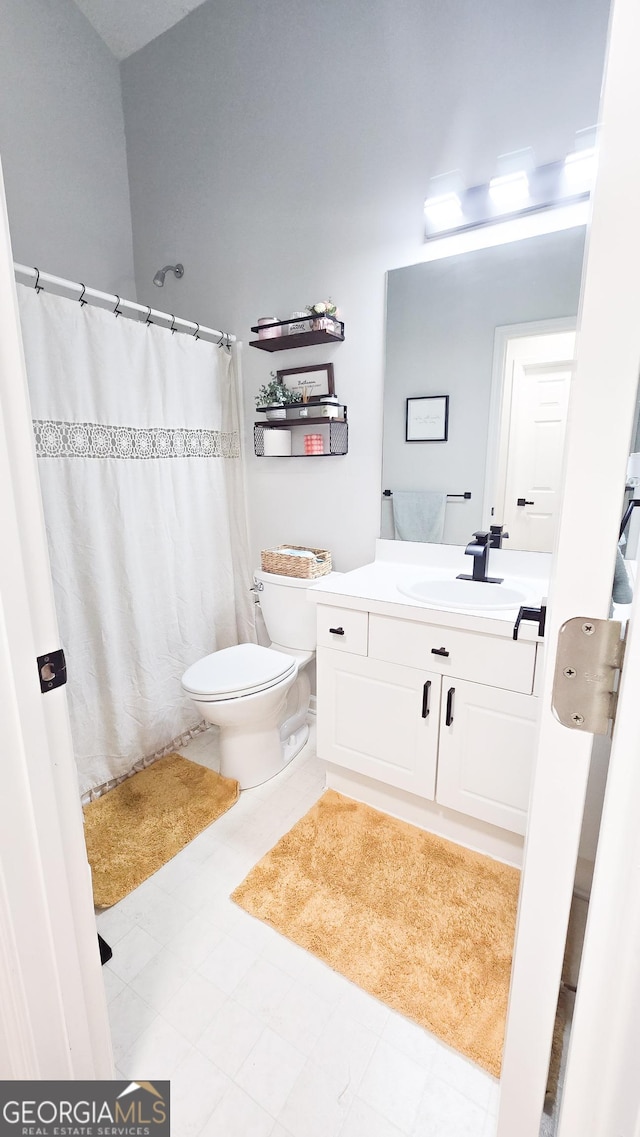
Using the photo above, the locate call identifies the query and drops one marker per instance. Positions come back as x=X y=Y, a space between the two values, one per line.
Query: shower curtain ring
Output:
x=197 y=334
x=148 y=320
x=173 y=320
x=37 y=286
x=221 y=340
x=81 y=299
x=116 y=312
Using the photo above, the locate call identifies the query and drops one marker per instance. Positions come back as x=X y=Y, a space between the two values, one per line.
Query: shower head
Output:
x=162 y=272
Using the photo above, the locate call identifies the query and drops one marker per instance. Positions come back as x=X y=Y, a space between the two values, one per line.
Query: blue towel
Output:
x=418 y=515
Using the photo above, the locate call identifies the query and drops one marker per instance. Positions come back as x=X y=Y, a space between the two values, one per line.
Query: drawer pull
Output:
x=425 y=698
x=450 y=693
x=337 y=631
x=440 y=651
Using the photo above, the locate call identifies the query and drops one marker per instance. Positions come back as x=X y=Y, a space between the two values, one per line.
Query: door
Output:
x=379 y=719
x=536 y=388
x=601 y=414
x=53 y=1017
x=487 y=741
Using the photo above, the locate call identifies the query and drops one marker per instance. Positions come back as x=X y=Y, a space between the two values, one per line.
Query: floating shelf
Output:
x=335 y=432
x=299 y=339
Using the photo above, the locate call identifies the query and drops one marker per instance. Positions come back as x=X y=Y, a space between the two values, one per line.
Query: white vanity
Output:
x=430 y=712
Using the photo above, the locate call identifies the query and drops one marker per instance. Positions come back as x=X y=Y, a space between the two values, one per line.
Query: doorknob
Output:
x=522 y=501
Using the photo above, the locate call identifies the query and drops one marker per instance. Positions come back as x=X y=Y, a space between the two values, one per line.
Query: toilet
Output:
x=259 y=696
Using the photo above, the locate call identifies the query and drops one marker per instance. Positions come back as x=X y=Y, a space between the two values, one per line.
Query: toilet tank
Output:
x=289 y=616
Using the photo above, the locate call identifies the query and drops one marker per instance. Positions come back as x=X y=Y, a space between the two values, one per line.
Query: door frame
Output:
x=497 y=406
x=53 y=1013
x=601 y=414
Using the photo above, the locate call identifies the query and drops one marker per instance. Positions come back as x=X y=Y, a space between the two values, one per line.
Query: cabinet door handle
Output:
x=337 y=631
x=425 y=698
x=440 y=651
x=450 y=693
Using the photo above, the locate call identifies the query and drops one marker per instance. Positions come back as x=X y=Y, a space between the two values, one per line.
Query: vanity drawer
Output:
x=491 y=660
x=342 y=629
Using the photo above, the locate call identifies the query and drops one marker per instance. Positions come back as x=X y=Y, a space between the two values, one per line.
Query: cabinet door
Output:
x=379 y=719
x=486 y=752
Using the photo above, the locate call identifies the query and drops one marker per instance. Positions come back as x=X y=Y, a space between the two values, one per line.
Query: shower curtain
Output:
x=137 y=436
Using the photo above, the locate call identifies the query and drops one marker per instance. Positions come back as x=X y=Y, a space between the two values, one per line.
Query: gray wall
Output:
x=62 y=145
x=441 y=322
x=283 y=152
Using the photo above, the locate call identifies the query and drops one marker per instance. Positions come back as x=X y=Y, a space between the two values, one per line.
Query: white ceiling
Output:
x=127 y=25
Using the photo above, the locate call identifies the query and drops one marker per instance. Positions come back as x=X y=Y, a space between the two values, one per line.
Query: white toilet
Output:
x=259 y=696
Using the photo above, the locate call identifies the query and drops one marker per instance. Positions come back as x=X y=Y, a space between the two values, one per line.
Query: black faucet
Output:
x=497 y=536
x=479 y=550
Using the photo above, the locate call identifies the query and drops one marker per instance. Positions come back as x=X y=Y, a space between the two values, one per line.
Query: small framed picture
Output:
x=311 y=382
x=428 y=419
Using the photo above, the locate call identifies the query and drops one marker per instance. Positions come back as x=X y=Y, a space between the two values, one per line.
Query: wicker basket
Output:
x=284 y=564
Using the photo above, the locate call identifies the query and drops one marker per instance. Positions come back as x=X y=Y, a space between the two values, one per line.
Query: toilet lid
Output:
x=236 y=671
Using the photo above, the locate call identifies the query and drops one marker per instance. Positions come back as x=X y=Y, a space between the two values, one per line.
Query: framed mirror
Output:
x=492 y=332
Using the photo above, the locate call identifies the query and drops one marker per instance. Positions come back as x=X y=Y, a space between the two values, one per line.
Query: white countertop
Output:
x=374 y=587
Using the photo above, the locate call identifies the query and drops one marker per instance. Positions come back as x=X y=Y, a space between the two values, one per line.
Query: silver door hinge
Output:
x=587 y=675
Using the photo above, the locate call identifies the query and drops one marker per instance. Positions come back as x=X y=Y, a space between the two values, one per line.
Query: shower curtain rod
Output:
x=119 y=306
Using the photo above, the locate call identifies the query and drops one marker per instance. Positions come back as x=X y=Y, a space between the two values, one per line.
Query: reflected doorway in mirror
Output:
x=427 y=419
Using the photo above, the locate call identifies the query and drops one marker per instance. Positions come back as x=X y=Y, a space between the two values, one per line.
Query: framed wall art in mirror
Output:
x=427 y=418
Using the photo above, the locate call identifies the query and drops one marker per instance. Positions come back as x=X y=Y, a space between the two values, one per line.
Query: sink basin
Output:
x=464 y=594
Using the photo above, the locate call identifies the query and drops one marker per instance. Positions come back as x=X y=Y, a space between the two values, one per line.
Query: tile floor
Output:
x=258 y=1037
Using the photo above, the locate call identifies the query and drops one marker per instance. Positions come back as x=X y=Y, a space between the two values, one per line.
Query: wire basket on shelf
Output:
x=290 y=560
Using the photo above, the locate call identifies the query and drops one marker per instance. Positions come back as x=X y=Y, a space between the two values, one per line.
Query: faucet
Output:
x=479 y=550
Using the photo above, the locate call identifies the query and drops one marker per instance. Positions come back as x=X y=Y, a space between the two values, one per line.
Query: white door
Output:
x=536 y=385
x=53 y=1018
x=487 y=742
x=379 y=719
x=601 y=416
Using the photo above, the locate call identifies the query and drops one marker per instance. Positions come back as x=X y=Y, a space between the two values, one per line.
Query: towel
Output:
x=622 y=592
x=418 y=515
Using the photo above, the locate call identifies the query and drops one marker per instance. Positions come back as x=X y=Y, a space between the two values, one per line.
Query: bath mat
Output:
x=140 y=825
x=424 y=925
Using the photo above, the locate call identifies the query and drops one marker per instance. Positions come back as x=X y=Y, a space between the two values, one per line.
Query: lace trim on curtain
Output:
x=142 y=763
x=57 y=439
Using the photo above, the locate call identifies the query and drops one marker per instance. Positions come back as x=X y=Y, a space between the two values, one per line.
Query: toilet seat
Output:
x=236 y=671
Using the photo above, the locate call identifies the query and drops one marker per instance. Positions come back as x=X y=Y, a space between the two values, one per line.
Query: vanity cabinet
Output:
x=445 y=714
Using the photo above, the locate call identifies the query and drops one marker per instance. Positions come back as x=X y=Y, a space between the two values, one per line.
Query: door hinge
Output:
x=587 y=675
x=52 y=670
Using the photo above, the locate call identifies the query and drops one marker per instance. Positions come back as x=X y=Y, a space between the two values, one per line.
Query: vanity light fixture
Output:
x=444 y=211
x=509 y=192
x=580 y=170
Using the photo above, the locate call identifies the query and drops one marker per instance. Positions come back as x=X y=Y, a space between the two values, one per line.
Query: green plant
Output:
x=275 y=392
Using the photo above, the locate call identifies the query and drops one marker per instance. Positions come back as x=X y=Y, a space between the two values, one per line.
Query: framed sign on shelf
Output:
x=311 y=382
x=427 y=418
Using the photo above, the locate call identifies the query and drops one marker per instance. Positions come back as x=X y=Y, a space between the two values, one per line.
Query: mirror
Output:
x=492 y=330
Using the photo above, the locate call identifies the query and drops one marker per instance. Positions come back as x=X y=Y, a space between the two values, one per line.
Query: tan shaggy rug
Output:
x=424 y=925
x=136 y=828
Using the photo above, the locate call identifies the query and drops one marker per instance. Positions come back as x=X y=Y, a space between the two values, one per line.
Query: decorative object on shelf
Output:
x=296 y=560
x=324 y=310
x=277 y=443
x=310 y=382
x=266 y=332
x=329 y=330
x=427 y=419
x=313 y=444
x=274 y=397
x=300 y=322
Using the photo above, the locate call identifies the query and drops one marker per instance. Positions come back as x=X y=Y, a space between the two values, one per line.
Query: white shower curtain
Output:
x=137 y=436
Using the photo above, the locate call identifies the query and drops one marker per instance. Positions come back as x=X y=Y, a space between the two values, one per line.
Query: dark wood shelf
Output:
x=299 y=339
x=337 y=435
x=289 y=422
